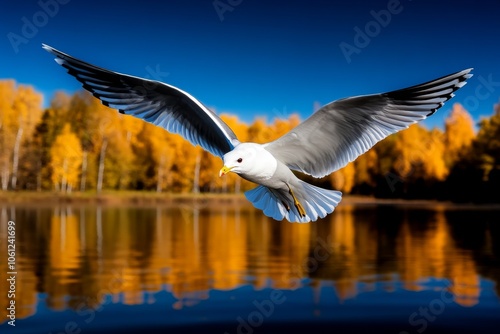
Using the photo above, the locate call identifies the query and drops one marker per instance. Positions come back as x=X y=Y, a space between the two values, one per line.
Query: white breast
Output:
x=263 y=164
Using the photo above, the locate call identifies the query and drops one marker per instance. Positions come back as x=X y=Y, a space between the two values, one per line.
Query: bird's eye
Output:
x=239 y=160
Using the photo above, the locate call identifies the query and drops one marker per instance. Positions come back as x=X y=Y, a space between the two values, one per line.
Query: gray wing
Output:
x=163 y=105
x=344 y=129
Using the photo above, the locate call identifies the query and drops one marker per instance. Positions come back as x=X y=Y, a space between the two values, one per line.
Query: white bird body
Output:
x=328 y=140
x=255 y=163
x=250 y=153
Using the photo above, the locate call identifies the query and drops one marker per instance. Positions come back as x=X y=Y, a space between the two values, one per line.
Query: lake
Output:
x=223 y=267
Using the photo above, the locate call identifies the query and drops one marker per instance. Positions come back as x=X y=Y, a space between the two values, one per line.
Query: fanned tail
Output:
x=277 y=204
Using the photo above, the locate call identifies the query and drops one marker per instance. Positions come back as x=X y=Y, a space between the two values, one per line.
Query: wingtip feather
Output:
x=46 y=47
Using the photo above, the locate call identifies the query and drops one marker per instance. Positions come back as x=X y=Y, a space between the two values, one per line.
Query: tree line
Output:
x=77 y=144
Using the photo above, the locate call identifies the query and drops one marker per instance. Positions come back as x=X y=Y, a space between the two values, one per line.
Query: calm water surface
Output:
x=223 y=267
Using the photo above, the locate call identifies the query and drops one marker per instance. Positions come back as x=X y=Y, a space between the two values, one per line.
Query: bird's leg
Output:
x=287 y=207
x=296 y=202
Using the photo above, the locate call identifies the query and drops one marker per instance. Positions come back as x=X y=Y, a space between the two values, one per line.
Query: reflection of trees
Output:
x=482 y=242
x=79 y=256
x=416 y=245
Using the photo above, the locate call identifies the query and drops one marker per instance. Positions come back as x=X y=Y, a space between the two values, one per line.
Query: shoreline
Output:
x=144 y=198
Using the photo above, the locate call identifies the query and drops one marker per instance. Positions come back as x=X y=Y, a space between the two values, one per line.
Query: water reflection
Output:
x=77 y=255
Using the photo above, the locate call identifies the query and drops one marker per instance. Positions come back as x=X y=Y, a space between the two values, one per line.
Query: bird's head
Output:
x=248 y=159
x=239 y=160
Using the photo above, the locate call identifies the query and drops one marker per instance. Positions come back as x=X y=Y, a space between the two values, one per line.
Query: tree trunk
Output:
x=161 y=171
x=15 y=160
x=237 y=185
x=224 y=184
x=64 y=180
x=129 y=137
x=39 y=174
x=196 y=181
x=83 y=180
x=102 y=155
x=5 y=176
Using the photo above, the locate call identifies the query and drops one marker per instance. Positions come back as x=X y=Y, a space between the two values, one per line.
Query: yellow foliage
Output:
x=61 y=101
x=283 y=126
x=486 y=152
x=8 y=131
x=434 y=164
x=366 y=167
x=7 y=95
x=65 y=160
x=27 y=107
x=410 y=149
x=420 y=153
x=259 y=132
x=240 y=129
x=142 y=156
x=459 y=133
x=344 y=179
x=20 y=110
x=163 y=155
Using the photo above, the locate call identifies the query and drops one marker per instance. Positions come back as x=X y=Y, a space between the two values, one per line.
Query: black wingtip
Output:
x=48 y=48
x=59 y=56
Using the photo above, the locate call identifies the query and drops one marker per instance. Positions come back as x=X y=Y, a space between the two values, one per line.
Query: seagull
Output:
x=329 y=139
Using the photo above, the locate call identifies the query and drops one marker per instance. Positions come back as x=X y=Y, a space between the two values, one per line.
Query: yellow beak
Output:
x=224 y=170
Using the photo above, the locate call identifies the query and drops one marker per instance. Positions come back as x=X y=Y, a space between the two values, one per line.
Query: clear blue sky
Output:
x=261 y=58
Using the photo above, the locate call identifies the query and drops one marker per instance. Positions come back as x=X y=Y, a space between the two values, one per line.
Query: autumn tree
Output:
x=410 y=163
x=281 y=127
x=65 y=160
x=154 y=154
x=344 y=178
x=183 y=164
x=84 y=122
x=485 y=150
x=410 y=152
x=7 y=130
x=258 y=132
x=476 y=174
x=153 y=158
x=434 y=164
x=115 y=151
x=20 y=110
x=366 y=170
x=45 y=133
x=459 y=133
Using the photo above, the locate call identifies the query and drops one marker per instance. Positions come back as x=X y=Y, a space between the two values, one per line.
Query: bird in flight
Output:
x=328 y=140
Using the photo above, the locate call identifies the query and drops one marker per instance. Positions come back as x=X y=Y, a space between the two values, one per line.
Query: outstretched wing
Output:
x=344 y=129
x=163 y=105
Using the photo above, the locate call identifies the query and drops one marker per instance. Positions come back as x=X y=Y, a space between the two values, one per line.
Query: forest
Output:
x=77 y=144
